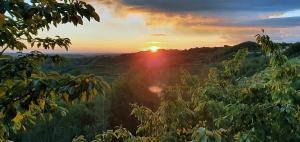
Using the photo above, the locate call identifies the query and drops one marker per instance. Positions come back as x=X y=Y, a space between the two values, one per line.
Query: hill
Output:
x=195 y=60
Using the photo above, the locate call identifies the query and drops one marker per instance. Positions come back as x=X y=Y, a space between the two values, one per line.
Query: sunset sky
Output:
x=135 y=25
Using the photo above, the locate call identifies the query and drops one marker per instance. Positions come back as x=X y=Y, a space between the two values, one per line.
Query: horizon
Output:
x=65 y=52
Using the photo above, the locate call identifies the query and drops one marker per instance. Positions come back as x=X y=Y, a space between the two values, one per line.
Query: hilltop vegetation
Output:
x=27 y=93
x=247 y=92
x=169 y=69
x=228 y=107
x=195 y=60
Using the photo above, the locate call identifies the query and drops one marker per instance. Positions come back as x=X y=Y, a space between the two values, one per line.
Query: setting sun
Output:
x=153 y=48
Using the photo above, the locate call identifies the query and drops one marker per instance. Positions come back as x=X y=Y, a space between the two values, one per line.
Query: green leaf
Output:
x=96 y=16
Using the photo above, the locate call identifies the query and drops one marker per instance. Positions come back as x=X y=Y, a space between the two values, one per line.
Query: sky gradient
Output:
x=136 y=25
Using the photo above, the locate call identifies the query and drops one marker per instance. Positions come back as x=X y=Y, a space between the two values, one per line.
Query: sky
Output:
x=135 y=25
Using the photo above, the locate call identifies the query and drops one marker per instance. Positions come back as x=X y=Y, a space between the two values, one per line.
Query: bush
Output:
x=82 y=119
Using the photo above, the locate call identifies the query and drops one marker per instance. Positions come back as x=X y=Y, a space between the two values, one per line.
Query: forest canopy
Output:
x=27 y=92
x=247 y=93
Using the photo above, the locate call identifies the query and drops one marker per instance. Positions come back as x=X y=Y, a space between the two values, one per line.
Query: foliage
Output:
x=20 y=21
x=253 y=64
x=229 y=107
x=272 y=49
x=83 y=118
x=131 y=88
x=26 y=92
x=292 y=50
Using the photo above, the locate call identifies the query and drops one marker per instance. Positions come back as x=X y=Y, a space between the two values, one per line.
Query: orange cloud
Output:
x=158 y=35
x=189 y=23
x=155 y=17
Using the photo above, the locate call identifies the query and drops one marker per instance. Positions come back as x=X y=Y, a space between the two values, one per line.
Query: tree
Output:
x=27 y=92
x=229 y=107
x=20 y=21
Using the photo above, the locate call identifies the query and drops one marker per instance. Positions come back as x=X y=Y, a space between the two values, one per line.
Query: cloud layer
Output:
x=216 y=5
x=214 y=12
x=236 y=19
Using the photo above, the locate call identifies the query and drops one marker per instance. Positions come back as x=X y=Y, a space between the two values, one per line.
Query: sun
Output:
x=153 y=49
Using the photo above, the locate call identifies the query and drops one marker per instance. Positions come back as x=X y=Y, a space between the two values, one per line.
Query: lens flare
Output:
x=155 y=89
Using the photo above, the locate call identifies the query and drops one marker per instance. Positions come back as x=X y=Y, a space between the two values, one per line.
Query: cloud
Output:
x=273 y=22
x=284 y=22
x=233 y=20
x=117 y=6
x=215 y=13
x=158 y=34
x=215 y=5
x=154 y=18
x=206 y=6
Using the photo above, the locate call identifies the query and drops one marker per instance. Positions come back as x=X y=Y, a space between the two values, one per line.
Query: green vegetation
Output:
x=247 y=92
x=229 y=107
x=26 y=92
x=82 y=119
x=245 y=95
x=227 y=102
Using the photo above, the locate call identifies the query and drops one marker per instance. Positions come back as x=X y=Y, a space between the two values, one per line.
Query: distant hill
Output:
x=252 y=46
x=165 y=61
x=195 y=60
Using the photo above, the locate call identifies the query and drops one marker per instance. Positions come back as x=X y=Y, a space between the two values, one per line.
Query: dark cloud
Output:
x=275 y=22
x=216 y=5
x=235 y=20
x=213 y=12
x=271 y=22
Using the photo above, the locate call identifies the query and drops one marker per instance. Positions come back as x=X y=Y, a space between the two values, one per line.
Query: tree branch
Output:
x=1 y=53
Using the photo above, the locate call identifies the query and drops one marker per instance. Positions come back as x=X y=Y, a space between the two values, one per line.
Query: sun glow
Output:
x=153 y=48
